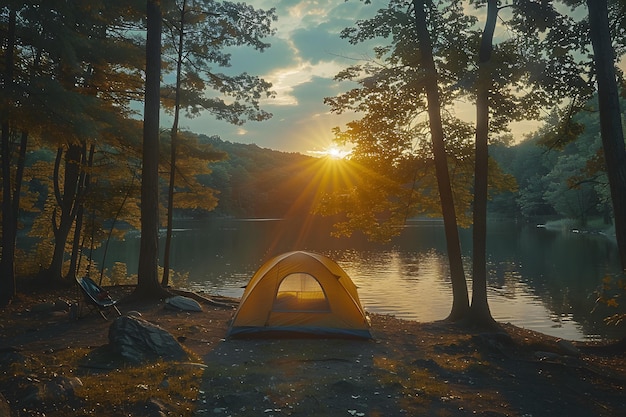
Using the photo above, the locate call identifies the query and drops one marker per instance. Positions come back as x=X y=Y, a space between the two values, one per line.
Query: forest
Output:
x=81 y=164
x=549 y=183
x=254 y=182
x=93 y=101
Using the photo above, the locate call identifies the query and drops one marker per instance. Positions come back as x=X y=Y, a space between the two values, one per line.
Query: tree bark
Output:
x=8 y=288
x=479 y=310
x=9 y=216
x=148 y=280
x=460 y=298
x=68 y=204
x=83 y=188
x=610 y=117
x=173 y=143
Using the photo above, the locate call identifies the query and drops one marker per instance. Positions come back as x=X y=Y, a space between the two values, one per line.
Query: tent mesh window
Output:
x=300 y=292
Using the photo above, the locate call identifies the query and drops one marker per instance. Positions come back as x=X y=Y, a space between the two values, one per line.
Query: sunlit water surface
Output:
x=538 y=279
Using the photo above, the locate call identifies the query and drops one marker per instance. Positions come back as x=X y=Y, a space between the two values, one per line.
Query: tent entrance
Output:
x=300 y=292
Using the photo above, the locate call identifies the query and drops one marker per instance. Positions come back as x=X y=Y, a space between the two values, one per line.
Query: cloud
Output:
x=294 y=128
x=305 y=54
x=286 y=80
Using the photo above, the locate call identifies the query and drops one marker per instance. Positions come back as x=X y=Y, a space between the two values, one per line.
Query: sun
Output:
x=331 y=152
x=335 y=153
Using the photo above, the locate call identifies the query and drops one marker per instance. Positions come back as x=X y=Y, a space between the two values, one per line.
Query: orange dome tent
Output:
x=300 y=293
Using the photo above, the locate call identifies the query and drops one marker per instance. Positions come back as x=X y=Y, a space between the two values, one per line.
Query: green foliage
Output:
x=392 y=137
x=208 y=29
x=368 y=202
x=570 y=198
x=70 y=70
x=194 y=161
x=564 y=175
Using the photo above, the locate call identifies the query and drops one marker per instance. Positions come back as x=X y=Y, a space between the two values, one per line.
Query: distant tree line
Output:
x=255 y=182
x=557 y=178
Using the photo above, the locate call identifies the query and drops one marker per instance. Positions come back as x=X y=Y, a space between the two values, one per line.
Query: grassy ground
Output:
x=409 y=368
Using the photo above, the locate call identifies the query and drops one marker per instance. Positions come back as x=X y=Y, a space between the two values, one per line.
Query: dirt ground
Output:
x=408 y=369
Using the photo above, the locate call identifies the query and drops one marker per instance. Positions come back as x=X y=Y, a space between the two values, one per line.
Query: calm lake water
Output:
x=539 y=279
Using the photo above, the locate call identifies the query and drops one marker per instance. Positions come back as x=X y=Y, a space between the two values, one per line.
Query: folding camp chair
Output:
x=96 y=298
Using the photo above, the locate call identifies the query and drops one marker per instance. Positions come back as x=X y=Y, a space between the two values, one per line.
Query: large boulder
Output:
x=138 y=340
x=182 y=303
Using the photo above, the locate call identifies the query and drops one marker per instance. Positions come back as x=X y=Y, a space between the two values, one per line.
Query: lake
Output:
x=539 y=279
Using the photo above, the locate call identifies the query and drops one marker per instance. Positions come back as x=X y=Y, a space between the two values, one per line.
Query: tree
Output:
x=68 y=202
x=199 y=33
x=610 y=116
x=147 y=277
x=460 y=303
x=479 y=310
x=604 y=26
x=10 y=200
x=75 y=81
x=396 y=140
x=569 y=194
x=83 y=189
x=502 y=80
x=173 y=144
x=195 y=161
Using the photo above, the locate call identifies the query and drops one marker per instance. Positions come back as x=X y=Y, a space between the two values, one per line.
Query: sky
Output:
x=305 y=54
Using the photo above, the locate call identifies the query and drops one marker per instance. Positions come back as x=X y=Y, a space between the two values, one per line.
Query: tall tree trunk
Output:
x=83 y=188
x=148 y=279
x=610 y=117
x=173 y=143
x=9 y=216
x=460 y=302
x=67 y=203
x=479 y=310
x=9 y=229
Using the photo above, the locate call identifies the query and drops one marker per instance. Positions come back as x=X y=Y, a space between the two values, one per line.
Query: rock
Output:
x=183 y=303
x=138 y=341
x=568 y=348
x=57 y=389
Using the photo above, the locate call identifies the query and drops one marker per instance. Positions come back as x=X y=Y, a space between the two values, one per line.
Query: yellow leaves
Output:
x=199 y=197
x=612 y=302
x=612 y=290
